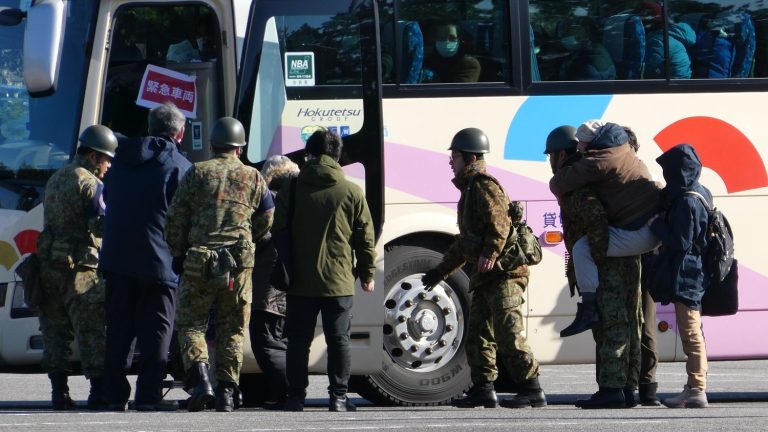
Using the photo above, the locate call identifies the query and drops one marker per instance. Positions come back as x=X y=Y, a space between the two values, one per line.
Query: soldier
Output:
x=495 y=318
x=617 y=335
x=68 y=248
x=219 y=209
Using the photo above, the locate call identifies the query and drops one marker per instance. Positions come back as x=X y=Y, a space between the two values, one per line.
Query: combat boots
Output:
x=481 y=394
x=225 y=392
x=97 y=399
x=587 y=316
x=529 y=395
x=648 y=394
x=203 y=392
x=604 y=398
x=60 y=392
x=629 y=397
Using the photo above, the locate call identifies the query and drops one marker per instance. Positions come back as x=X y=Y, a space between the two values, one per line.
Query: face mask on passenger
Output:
x=447 y=48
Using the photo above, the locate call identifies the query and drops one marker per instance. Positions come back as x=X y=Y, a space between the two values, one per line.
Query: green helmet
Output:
x=99 y=138
x=561 y=138
x=227 y=132
x=470 y=140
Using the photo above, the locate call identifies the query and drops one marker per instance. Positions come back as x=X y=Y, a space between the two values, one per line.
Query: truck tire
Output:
x=424 y=334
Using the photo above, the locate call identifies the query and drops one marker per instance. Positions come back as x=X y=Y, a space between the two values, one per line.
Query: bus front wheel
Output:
x=424 y=361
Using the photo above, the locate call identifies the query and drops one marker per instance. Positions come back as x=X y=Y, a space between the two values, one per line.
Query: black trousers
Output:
x=269 y=344
x=300 y=320
x=144 y=311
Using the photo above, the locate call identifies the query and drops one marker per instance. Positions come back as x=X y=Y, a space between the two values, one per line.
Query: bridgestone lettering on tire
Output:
x=424 y=361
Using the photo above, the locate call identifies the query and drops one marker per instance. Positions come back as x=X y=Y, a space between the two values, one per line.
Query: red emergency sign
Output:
x=160 y=85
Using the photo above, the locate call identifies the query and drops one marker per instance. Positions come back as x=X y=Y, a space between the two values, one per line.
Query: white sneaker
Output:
x=691 y=397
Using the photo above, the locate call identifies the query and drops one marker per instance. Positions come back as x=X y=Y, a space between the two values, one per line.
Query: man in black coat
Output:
x=140 y=281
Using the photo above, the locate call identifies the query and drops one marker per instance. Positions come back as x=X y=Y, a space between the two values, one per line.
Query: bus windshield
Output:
x=37 y=135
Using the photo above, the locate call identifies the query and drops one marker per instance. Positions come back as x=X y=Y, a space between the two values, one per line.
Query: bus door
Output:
x=308 y=65
x=151 y=48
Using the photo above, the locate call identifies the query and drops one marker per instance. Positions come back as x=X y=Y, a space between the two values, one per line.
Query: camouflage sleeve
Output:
x=571 y=177
x=453 y=258
x=178 y=219
x=92 y=194
x=491 y=207
x=594 y=220
x=363 y=240
x=262 y=218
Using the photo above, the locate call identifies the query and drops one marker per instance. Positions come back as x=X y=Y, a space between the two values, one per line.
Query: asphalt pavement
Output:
x=738 y=394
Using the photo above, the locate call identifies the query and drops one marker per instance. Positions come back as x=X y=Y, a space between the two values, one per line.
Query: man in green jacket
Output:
x=331 y=233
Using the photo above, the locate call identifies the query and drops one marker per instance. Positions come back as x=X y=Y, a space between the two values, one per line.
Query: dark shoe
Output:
x=97 y=399
x=224 y=396
x=587 y=318
x=294 y=403
x=118 y=407
x=603 y=398
x=202 y=394
x=648 y=394
x=529 y=394
x=629 y=397
x=163 y=405
x=60 y=392
x=237 y=397
x=340 y=404
x=274 y=405
x=481 y=394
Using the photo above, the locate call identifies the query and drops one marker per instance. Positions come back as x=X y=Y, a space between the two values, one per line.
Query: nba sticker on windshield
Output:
x=299 y=69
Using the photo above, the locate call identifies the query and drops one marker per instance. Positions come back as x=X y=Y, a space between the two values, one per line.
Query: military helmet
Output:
x=227 y=132
x=470 y=140
x=99 y=138
x=561 y=138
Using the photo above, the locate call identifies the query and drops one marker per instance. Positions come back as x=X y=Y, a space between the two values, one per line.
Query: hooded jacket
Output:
x=620 y=179
x=138 y=189
x=679 y=268
x=681 y=38
x=331 y=231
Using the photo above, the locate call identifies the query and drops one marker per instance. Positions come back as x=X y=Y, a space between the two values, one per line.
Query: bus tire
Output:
x=424 y=362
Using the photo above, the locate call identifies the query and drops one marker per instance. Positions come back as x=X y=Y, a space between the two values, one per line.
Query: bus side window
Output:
x=457 y=41
x=183 y=38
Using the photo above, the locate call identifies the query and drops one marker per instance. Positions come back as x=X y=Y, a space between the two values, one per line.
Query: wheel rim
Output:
x=422 y=330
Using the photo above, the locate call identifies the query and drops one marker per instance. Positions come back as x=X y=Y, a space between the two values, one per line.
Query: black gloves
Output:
x=431 y=278
x=178 y=264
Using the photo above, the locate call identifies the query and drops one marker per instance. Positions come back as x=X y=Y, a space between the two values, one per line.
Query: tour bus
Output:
x=397 y=79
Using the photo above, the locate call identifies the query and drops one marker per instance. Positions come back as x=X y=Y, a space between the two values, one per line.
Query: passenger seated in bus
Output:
x=681 y=38
x=624 y=185
x=448 y=61
x=589 y=59
x=202 y=47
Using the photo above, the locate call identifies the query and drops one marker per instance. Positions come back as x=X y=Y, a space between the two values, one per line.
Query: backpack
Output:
x=718 y=255
x=522 y=246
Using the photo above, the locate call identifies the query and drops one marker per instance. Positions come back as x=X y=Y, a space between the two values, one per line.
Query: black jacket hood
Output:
x=139 y=150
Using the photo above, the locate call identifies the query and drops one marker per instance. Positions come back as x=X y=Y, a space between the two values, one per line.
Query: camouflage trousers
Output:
x=72 y=309
x=233 y=311
x=495 y=329
x=617 y=337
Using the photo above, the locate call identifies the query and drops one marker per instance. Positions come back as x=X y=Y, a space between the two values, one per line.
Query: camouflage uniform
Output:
x=618 y=335
x=213 y=220
x=68 y=247
x=495 y=316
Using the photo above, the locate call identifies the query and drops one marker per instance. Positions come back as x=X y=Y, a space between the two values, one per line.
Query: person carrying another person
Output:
x=624 y=185
x=679 y=275
x=617 y=336
x=269 y=341
x=449 y=62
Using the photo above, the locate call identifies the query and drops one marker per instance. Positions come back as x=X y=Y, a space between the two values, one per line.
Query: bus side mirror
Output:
x=43 y=39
